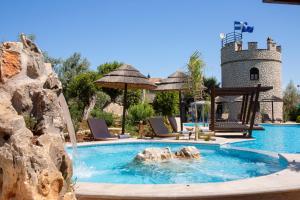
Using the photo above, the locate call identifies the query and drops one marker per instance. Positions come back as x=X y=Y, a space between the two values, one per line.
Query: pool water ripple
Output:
x=276 y=138
x=113 y=163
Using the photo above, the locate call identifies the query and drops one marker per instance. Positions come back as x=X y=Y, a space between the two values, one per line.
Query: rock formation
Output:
x=164 y=154
x=33 y=162
x=154 y=154
x=189 y=152
x=114 y=108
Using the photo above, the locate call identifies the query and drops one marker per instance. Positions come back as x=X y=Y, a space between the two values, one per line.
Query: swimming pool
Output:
x=277 y=138
x=113 y=163
x=192 y=124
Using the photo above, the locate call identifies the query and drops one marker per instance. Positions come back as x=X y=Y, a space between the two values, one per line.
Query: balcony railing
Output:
x=232 y=37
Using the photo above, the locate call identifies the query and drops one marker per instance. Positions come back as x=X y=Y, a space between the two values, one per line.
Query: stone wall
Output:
x=33 y=162
x=236 y=64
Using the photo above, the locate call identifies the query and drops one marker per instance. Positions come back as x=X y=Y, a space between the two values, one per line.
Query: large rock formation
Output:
x=33 y=162
x=189 y=152
x=164 y=154
x=155 y=154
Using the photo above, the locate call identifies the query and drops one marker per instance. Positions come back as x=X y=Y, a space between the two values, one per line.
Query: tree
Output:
x=166 y=103
x=209 y=82
x=83 y=89
x=105 y=69
x=133 y=97
x=108 y=67
x=195 y=82
x=291 y=99
x=71 y=67
x=139 y=112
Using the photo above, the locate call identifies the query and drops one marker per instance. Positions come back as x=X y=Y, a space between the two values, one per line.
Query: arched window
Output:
x=254 y=73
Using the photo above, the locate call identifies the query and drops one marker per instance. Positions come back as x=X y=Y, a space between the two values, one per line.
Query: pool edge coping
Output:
x=284 y=180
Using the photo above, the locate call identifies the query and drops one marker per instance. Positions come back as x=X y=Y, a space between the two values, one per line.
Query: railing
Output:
x=231 y=37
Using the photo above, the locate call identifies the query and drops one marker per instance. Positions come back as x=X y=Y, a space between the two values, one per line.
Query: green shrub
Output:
x=166 y=103
x=133 y=97
x=76 y=110
x=298 y=119
x=99 y=114
x=132 y=129
x=139 y=112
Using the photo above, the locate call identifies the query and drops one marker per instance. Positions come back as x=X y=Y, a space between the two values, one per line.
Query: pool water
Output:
x=192 y=124
x=113 y=163
x=277 y=138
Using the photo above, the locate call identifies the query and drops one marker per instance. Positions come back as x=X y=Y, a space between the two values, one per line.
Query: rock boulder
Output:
x=164 y=154
x=33 y=162
x=154 y=154
x=189 y=152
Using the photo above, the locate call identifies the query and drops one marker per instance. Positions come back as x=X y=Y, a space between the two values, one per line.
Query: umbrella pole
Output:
x=180 y=111
x=124 y=109
x=272 y=112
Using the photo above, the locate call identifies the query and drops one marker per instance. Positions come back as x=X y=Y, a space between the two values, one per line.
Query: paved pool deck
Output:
x=283 y=185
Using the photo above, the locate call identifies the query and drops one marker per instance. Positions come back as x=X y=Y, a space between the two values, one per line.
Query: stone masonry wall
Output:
x=236 y=65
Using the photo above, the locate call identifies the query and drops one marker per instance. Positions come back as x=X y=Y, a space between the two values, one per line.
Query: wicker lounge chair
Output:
x=160 y=129
x=99 y=130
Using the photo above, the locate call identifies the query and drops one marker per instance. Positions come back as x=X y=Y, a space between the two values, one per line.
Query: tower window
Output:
x=254 y=74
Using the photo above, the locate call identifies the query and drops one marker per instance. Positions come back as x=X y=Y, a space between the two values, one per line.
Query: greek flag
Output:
x=243 y=26
x=238 y=25
x=247 y=28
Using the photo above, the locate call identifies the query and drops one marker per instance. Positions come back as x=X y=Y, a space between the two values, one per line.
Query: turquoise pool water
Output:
x=113 y=163
x=277 y=138
x=192 y=124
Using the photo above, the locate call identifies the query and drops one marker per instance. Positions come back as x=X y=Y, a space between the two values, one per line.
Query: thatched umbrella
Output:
x=125 y=77
x=272 y=100
x=174 y=82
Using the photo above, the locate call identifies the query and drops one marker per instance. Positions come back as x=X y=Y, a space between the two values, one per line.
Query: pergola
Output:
x=250 y=96
x=272 y=100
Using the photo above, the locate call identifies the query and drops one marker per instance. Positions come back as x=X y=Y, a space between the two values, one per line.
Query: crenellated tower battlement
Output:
x=250 y=67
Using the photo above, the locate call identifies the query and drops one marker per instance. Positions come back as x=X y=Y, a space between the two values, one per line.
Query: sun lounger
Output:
x=99 y=130
x=175 y=127
x=159 y=128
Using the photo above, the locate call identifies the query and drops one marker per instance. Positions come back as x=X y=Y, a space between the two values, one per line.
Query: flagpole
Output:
x=234 y=30
x=242 y=30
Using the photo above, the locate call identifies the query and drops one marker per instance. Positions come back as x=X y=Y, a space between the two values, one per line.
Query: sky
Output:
x=155 y=36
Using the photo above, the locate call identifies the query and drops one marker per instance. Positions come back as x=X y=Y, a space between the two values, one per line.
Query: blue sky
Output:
x=156 y=36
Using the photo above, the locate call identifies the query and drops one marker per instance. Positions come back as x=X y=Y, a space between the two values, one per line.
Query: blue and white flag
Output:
x=238 y=25
x=243 y=26
x=247 y=28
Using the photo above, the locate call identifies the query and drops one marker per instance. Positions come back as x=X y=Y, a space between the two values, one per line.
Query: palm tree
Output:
x=195 y=82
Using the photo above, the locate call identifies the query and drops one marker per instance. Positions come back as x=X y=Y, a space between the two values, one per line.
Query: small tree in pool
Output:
x=195 y=82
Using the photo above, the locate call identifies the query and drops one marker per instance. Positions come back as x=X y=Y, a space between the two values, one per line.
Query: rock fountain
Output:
x=33 y=162
x=165 y=154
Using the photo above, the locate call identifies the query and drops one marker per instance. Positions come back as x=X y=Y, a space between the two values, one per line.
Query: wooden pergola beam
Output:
x=212 y=109
x=241 y=90
x=242 y=108
x=245 y=109
x=250 y=107
x=254 y=110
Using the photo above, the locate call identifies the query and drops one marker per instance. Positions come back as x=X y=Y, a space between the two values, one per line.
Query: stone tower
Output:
x=250 y=67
